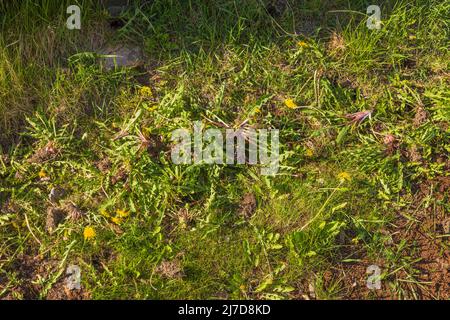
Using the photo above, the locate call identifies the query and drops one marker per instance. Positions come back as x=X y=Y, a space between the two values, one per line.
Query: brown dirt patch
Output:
x=121 y=175
x=104 y=165
x=247 y=206
x=336 y=44
x=170 y=269
x=28 y=269
x=420 y=117
x=59 y=291
x=424 y=259
x=48 y=152
x=55 y=216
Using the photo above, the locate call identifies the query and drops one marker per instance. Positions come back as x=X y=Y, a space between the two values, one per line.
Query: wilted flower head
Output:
x=358 y=117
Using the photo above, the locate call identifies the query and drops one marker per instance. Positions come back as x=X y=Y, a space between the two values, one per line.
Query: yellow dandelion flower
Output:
x=116 y=220
x=146 y=91
x=302 y=44
x=412 y=37
x=122 y=213
x=42 y=174
x=104 y=213
x=309 y=152
x=290 y=103
x=150 y=109
x=257 y=110
x=344 y=176
x=89 y=233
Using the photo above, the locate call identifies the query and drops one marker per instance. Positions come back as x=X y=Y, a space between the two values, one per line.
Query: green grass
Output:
x=186 y=237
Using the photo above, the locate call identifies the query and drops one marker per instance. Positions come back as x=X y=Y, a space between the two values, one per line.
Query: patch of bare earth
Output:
x=170 y=269
x=352 y=275
x=46 y=153
x=425 y=229
x=247 y=206
x=429 y=237
x=427 y=246
x=28 y=269
x=60 y=291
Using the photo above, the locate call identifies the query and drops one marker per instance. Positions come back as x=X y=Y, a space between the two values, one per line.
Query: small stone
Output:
x=56 y=194
x=116 y=7
x=121 y=56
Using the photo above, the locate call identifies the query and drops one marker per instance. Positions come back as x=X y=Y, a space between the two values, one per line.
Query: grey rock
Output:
x=121 y=56
x=116 y=7
x=56 y=194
